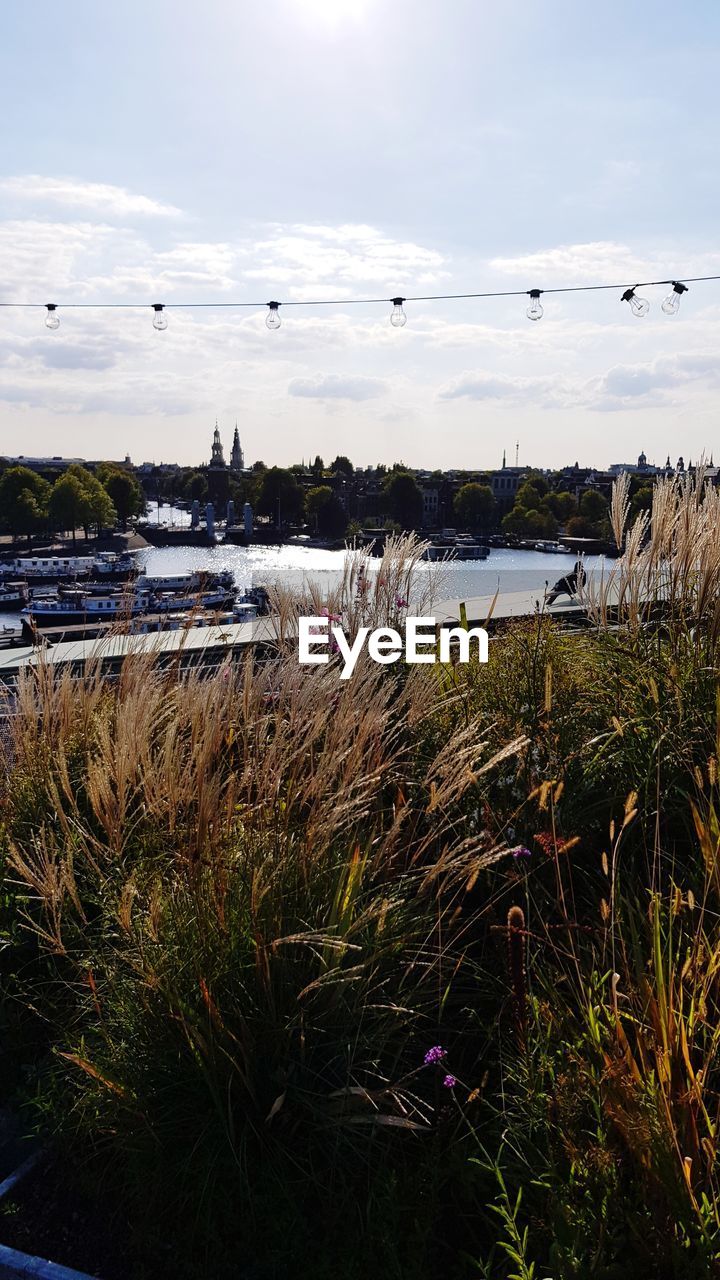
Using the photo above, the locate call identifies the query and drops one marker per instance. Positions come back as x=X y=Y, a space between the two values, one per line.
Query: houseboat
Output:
x=75 y=608
x=13 y=596
x=104 y=567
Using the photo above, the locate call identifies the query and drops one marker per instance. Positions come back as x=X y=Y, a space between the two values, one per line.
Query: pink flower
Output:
x=449 y=1082
x=436 y=1054
x=400 y=603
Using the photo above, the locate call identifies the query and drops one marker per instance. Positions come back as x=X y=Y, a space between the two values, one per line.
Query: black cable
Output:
x=349 y=302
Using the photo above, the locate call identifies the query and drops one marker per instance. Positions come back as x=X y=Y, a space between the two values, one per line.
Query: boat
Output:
x=470 y=551
x=75 y=608
x=13 y=596
x=106 y=567
x=143 y=624
x=193 y=580
x=190 y=582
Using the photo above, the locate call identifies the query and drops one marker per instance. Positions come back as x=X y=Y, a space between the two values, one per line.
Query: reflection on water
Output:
x=293 y=566
x=504 y=569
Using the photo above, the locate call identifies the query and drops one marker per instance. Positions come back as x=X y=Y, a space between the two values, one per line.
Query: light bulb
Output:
x=272 y=318
x=638 y=306
x=535 y=310
x=159 y=319
x=671 y=304
x=52 y=319
x=397 y=315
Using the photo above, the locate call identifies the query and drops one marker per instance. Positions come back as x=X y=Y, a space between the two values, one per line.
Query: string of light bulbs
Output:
x=398 y=316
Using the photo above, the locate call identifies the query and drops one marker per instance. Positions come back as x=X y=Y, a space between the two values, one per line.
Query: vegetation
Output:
x=475 y=507
x=415 y=972
x=77 y=498
x=402 y=499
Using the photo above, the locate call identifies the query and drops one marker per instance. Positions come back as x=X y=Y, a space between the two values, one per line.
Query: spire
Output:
x=237 y=461
x=503 y=465
x=217 y=458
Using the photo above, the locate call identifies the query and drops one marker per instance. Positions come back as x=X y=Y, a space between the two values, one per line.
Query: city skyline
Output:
x=314 y=150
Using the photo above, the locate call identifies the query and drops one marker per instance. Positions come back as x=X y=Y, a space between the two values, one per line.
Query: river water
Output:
x=295 y=566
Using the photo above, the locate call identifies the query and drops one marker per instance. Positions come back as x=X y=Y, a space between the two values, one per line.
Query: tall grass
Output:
x=249 y=889
x=253 y=900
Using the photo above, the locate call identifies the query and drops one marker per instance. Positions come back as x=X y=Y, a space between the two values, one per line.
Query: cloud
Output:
x=336 y=386
x=626 y=386
x=99 y=196
x=480 y=385
x=599 y=261
x=305 y=260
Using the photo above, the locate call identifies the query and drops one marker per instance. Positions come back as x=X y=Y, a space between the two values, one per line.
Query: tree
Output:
x=327 y=511
x=563 y=505
x=280 y=496
x=123 y=490
x=474 y=506
x=197 y=487
x=23 y=500
x=98 y=509
x=642 y=500
x=529 y=497
x=342 y=465
x=402 y=499
x=315 y=500
x=526 y=523
x=69 y=505
x=593 y=506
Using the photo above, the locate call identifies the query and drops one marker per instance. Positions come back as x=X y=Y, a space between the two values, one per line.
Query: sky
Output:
x=233 y=151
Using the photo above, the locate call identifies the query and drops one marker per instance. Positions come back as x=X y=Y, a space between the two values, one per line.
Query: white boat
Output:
x=75 y=608
x=105 y=566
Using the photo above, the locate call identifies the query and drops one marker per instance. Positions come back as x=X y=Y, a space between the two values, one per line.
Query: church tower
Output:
x=217 y=459
x=218 y=479
x=237 y=462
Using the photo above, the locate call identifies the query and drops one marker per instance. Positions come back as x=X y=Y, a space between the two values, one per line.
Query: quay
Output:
x=208 y=646
x=489 y=609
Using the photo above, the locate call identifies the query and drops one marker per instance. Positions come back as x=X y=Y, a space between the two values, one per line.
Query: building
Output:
x=640 y=468
x=237 y=462
x=431 y=506
x=218 y=475
x=505 y=484
x=55 y=464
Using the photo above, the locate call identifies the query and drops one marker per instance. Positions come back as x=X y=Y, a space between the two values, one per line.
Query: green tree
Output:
x=326 y=511
x=23 y=501
x=123 y=490
x=402 y=500
x=280 y=495
x=642 y=500
x=197 y=487
x=474 y=506
x=342 y=465
x=99 y=509
x=524 y=523
x=593 y=506
x=315 y=500
x=563 y=505
x=528 y=497
x=69 y=505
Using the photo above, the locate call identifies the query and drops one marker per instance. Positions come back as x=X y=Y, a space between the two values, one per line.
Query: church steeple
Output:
x=237 y=461
x=217 y=459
